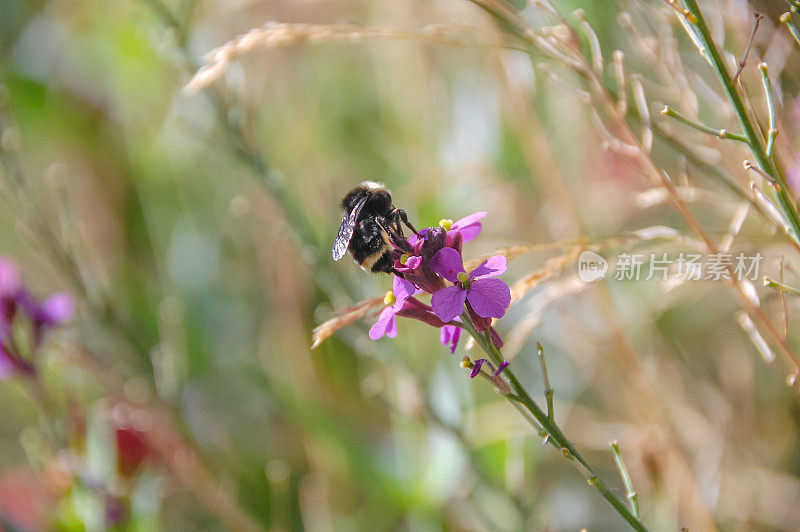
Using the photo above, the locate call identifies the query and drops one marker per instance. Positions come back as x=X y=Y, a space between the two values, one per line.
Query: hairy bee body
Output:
x=370 y=228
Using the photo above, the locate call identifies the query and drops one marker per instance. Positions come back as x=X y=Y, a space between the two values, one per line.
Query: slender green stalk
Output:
x=786 y=18
x=553 y=432
x=771 y=283
x=721 y=133
x=766 y=164
x=548 y=390
x=773 y=119
x=626 y=479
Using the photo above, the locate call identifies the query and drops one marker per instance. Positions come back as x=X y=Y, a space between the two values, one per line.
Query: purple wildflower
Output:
x=488 y=297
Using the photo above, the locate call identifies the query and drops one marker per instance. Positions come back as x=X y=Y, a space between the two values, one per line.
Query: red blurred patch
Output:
x=132 y=449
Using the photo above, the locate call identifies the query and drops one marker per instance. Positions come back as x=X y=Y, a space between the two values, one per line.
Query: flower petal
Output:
x=449 y=336
x=469 y=220
x=476 y=368
x=386 y=325
x=448 y=302
x=503 y=365
x=489 y=297
x=402 y=290
x=469 y=226
x=491 y=267
x=447 y=263
x=413 y=239
x=496 y=340
x=413 y=262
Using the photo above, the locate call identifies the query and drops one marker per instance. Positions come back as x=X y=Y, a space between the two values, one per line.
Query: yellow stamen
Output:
x=446 y=224
x=403 y=258
x=465 y=363
x=463 y=277
x=389 y=298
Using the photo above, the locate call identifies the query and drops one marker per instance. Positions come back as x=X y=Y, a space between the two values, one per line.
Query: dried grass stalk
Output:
x=344 y=318
x=280 y=34
x=552 y=269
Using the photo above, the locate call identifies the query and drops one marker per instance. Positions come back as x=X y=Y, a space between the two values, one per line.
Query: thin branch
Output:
x=626 y=479
x=721 y=133
x=748 y=165
x=785 y=288
x=548 y=390
x=743 y=62
x=619 y=72
x=773 y=120
x=784 y=303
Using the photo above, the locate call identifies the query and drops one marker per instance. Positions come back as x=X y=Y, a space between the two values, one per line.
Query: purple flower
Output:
x=449 y=337
x=488 y=297
x=425 y=246
x=387 y=323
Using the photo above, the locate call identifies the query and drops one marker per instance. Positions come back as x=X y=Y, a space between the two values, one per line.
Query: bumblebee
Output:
x=371 y=228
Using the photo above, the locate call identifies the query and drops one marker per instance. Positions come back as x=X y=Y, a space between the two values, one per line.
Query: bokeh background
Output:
x=194 y=228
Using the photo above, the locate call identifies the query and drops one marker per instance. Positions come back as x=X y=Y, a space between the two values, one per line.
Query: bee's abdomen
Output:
x=384 y=263
x=370 y=248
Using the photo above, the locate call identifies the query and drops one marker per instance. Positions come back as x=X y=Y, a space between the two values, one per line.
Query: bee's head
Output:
x=379 y=198
x=352 y=198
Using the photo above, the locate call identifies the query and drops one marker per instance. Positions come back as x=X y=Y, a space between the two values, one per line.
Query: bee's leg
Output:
x=397 y=239
x=404 y=218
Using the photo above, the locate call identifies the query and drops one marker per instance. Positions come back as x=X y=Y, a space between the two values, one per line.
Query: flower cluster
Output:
x=17 y=305
x=431 y=263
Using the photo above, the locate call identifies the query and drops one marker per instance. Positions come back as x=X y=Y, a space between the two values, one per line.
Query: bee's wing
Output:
x=346 y=231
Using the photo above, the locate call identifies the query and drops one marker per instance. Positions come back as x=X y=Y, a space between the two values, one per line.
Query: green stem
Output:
x=721 y=133
x=548 y=390
x=766 y=164
x=626 y=479
x=782 y=287
x=786 y=18
x=773 y=118
x=556 y=436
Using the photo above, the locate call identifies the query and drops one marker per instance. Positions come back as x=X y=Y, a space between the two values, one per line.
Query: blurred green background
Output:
x=195 y=229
